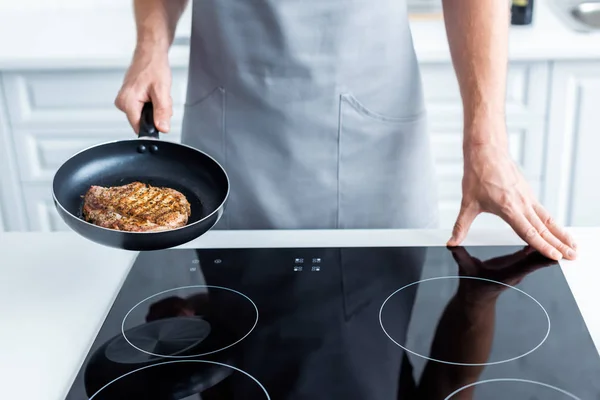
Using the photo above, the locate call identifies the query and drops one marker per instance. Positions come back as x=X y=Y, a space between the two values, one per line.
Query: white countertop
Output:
x=56 y=289
x=58 y=38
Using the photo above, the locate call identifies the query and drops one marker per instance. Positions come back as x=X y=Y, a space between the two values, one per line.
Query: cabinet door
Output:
x=42 y=152
x=41 y=212
x=526 y=92
x=54 y=114
x=573 y=161
x=12 y=212
x=76 y=99
x=526 y=103
x=448 y=159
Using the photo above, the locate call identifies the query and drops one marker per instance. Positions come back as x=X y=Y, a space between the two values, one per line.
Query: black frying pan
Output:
x=148 y=160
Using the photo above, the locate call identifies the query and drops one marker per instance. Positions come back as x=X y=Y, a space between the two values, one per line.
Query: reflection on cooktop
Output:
x=198 y=310
x=430 y=323
x=511 y=389
x=491 y=313
x=480 y=297
x=170 y=337
x=180 y=379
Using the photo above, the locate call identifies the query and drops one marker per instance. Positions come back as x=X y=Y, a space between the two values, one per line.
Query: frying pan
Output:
x=148 y=160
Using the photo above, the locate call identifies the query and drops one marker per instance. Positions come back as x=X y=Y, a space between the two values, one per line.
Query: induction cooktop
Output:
x=482 y=323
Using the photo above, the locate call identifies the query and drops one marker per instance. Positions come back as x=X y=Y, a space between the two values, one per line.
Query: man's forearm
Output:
x=478 y=36
x=464 y=335
x=156 y=21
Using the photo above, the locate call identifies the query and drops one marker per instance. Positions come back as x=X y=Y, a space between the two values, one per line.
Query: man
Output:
x=315 y=110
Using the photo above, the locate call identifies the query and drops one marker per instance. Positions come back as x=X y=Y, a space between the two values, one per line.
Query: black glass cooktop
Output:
x=482 y=323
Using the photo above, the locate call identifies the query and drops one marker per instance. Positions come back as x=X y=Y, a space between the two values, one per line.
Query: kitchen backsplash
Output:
x=414 y=5
x=417 y=6
x=54 y=4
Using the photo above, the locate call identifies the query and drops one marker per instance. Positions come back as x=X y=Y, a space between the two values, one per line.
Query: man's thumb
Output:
x=466 y=216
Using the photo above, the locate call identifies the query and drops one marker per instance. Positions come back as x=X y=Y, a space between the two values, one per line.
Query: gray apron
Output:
x=315 y=110
x=318 y=335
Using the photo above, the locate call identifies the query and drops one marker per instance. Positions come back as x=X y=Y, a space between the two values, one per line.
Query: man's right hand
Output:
x=147 y=79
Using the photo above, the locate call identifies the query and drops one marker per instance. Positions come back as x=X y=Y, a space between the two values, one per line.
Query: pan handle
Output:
x=147 y=127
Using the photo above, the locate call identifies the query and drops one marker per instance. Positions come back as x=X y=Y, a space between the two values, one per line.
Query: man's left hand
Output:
x=493 y=183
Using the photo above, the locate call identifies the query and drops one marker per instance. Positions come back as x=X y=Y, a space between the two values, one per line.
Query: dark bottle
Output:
x=521 y=12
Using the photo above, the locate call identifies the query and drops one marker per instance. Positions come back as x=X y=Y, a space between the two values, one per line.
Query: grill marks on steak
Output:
x=136 y=207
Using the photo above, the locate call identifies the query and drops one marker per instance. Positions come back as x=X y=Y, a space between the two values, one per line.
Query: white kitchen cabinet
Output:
x=77 y=99
x=53 y=114
x=42 y=152
x=572 y=173
x=42 y=214
x=12 y=212
x=526 y=104
x=447 y=148
x=57 y=113
x=526 y=91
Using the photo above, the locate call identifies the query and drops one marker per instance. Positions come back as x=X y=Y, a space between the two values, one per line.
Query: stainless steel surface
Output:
x=587 y=13
x=424 y=6
x=181 y=41
x=579 y=15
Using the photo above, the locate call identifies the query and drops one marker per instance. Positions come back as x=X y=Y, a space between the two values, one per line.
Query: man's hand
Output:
x=149 y=76
x=492 y=183
x=148 y=79
x=509 y=269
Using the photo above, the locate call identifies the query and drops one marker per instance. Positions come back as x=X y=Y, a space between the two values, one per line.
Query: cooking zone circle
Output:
x=526 y=389
x=178 y=379
x=522 y=323
x=189 y=321
x=169 y=336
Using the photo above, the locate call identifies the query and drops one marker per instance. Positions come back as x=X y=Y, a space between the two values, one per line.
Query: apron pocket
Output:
x=360 y=108
x=385 y=169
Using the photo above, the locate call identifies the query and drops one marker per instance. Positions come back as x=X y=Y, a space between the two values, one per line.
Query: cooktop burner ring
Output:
x=183 y=361
x=123 y=330
x=571 y=395
x=458 y=363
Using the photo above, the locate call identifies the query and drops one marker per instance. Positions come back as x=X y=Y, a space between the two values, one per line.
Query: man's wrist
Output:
x=485 y=130
x=148 y=45
x=149 y=51
x=153 y=36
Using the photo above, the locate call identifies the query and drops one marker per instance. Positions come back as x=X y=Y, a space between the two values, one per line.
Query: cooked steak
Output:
x=136 y=207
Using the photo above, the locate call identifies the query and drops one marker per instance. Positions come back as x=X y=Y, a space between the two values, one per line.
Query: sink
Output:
x=588 y=14
x=579 y=15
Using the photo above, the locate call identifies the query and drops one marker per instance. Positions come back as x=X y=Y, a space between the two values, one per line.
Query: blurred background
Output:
x=63 y=61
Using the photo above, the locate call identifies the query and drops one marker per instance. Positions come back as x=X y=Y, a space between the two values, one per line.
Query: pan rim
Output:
x=216 y=210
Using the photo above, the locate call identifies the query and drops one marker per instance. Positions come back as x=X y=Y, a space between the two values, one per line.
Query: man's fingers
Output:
x=133 y=110
x=461 y=255
x=529 y=234
x=163 y=110
x=466 y=216
x=510 y=259
x=465 y=261
x=559 y=232
x=548 y=235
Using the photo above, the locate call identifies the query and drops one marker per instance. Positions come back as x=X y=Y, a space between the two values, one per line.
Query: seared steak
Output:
x=136 y=207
